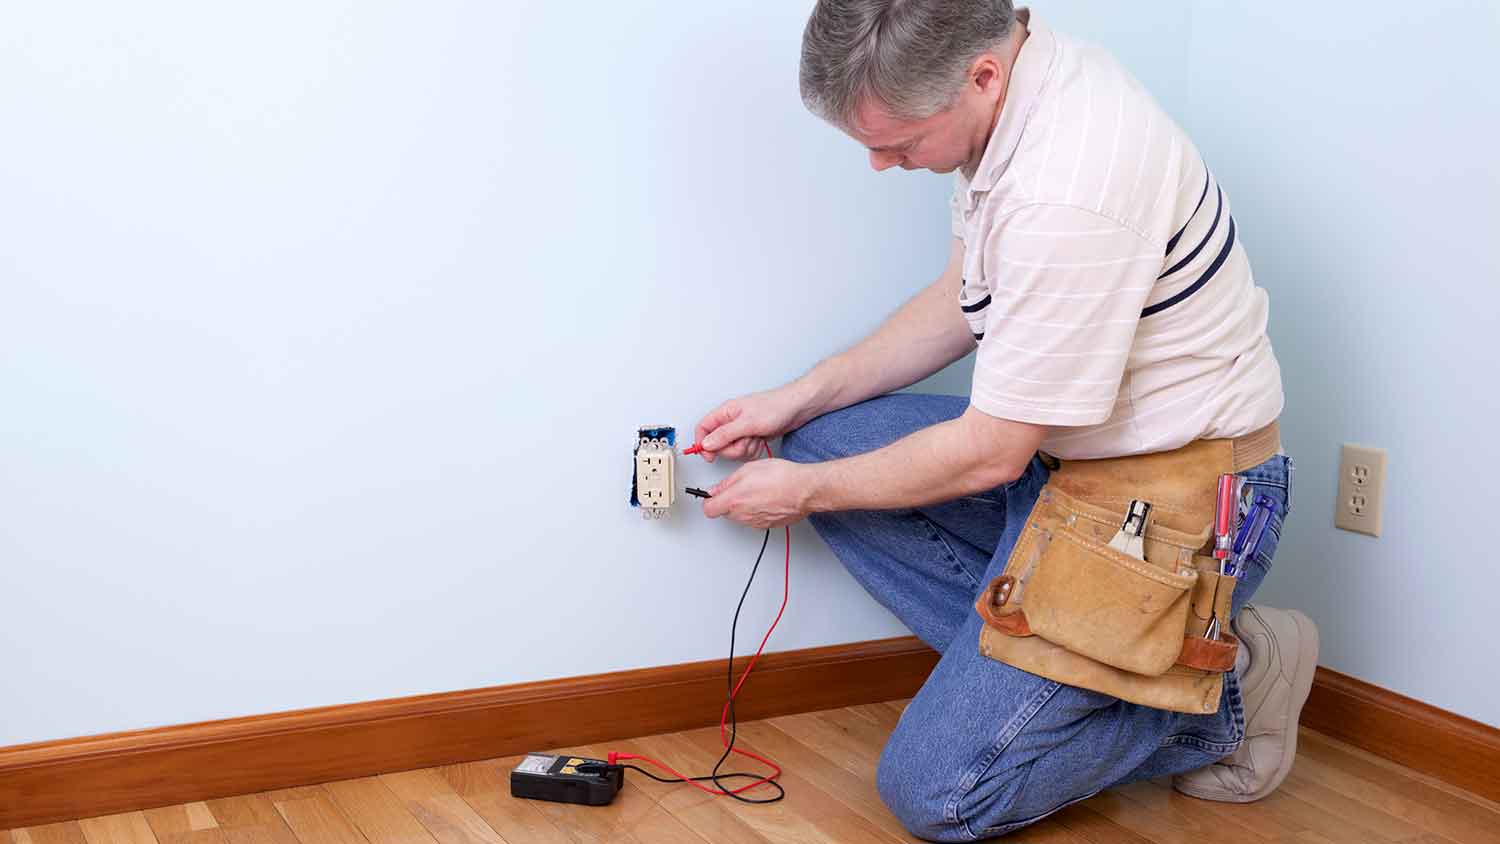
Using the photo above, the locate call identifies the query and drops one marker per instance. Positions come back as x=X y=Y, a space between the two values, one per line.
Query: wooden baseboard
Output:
x=96 y=775
x=1436 y=742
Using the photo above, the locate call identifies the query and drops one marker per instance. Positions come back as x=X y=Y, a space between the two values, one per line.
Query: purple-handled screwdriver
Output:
x=1251 y=531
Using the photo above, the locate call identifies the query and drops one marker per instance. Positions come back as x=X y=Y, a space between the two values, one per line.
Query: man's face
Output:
x=942 y=143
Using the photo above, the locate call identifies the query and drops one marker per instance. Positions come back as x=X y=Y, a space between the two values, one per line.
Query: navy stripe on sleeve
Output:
x=977 y=306
x=1172 y=244
x=1202 y=280
x=1213 y=227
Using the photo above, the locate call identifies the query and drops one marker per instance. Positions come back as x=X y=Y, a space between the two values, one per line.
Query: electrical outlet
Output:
x=1361 y=488
x=655 y=462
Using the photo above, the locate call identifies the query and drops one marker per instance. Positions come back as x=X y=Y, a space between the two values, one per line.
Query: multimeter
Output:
x=566 y=779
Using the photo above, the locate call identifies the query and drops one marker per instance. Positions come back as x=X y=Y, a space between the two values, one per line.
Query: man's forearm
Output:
x=923 y=336
x=964 y=456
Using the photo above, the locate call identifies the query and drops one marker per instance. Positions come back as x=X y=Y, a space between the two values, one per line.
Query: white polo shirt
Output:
x=1104 y=276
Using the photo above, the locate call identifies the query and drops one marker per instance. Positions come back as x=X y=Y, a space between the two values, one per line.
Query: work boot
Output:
x=1283 y=651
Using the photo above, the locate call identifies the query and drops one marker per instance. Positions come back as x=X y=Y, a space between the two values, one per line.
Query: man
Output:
x=1097 y=269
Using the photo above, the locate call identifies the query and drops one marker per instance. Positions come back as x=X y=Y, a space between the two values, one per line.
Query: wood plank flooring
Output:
x=1336 y=794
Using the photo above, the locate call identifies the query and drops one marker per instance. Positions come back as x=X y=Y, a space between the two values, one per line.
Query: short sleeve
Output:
x=1066 y=288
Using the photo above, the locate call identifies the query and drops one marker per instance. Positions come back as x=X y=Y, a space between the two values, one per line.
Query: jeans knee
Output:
x=868 y=425
x=797 y=445
x=822 y=438
x=913 y=795
x=935 y=806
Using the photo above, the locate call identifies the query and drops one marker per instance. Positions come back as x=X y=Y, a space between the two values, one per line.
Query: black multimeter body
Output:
x=543 y=776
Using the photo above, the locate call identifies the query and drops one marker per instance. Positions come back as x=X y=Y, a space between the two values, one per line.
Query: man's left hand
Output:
x=762 y=494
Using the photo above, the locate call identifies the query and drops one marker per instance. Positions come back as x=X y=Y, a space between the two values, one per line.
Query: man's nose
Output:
x=883 y=160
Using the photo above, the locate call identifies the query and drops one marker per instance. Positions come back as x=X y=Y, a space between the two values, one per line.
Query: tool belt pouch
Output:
x=1070 y=608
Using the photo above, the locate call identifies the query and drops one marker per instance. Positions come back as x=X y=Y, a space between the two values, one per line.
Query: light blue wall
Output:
x=1358 y=144
x=322 y=342
x=321 y=345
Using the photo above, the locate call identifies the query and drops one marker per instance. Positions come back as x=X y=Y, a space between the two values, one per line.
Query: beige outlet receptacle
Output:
x=1361 y=489
x=654 y=485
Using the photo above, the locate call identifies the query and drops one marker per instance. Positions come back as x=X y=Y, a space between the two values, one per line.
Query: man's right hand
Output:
x=738 y=429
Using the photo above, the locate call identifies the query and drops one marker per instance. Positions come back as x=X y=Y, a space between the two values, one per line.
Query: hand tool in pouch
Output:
x=1246 y=540
x=1129 y=538
x=1224 y=509
x=1223 y=517
x=1251 y=530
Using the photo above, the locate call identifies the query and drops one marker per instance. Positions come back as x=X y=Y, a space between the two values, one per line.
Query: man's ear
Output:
x=987 y=75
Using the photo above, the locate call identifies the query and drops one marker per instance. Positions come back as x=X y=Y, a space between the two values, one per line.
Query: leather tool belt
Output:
x=1072 y=609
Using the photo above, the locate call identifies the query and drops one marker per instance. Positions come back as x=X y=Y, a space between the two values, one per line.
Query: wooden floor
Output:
x=1334 y=794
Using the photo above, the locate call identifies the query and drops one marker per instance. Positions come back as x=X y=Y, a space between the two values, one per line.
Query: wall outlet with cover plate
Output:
x=653 y=486
x=1361 y=489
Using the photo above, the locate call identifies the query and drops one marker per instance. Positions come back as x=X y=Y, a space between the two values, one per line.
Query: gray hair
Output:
x=911 y=56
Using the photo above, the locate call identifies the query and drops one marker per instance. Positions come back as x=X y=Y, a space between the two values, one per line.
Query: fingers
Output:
x=728 y=431
x=745 y=499
x=715 y=507
x=736 y=429
x=725 y=485
x=715 y=419
x=720 y=502
x=747 y=448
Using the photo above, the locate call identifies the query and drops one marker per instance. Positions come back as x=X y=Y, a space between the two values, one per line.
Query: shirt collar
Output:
x=1029 y=74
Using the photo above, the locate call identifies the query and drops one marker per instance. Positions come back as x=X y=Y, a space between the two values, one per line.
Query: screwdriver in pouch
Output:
x=1223 y=544
x=1223 y=515
x=1253 y=528
x=1246 y=541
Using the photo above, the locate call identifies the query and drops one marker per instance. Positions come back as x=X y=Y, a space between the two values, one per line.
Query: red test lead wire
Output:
x=724 y=713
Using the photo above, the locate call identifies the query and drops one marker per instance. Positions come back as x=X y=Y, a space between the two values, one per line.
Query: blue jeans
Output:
x=985 y=748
